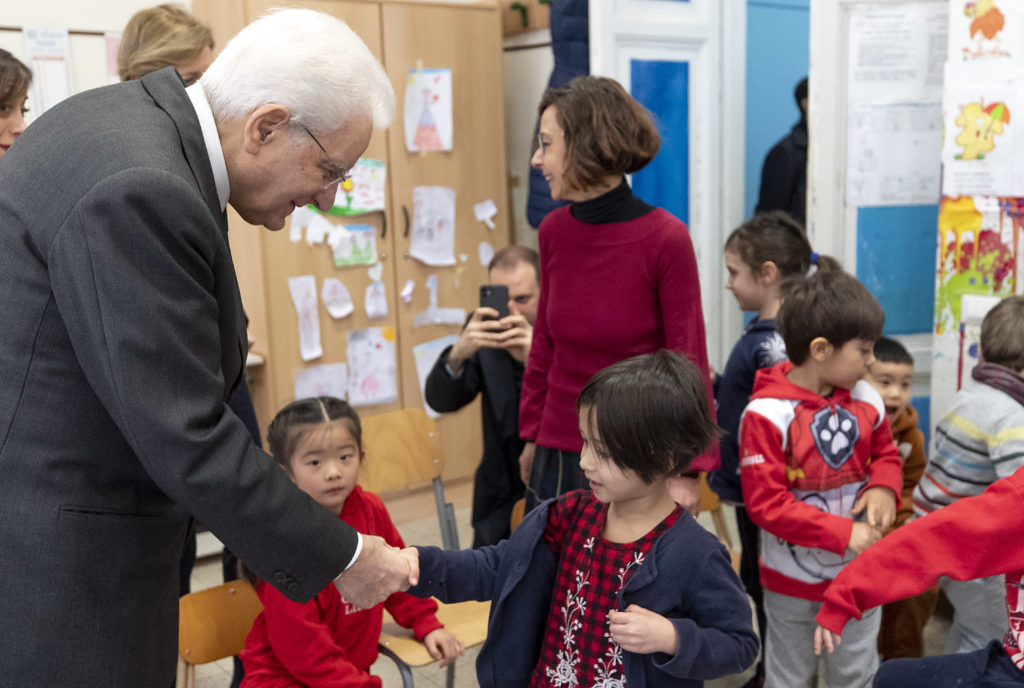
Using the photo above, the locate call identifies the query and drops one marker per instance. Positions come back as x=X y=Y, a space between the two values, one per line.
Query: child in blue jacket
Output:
x=615 y=585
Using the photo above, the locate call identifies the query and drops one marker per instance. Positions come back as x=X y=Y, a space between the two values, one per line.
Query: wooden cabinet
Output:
x=464 y=37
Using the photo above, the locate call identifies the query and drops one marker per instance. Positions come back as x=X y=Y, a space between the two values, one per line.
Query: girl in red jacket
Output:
x=329 y=641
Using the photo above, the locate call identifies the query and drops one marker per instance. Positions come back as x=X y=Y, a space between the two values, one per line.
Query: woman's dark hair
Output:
x=833 y=305
x=651 y=412
x=15 y=78
x=775 y=236
x=606 y=131
x=291 y=424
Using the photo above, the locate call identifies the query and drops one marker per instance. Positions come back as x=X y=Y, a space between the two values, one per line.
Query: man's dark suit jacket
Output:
x=121 y=338
x=496 y=486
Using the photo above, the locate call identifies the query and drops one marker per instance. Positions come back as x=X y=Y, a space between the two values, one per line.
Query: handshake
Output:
x=379 y=571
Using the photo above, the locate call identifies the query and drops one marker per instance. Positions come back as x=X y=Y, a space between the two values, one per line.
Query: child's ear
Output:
x=820 y=349
x=769 y=272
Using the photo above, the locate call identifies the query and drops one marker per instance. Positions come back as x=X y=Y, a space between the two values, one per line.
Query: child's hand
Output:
x=444 y=646
x=641 y=630
x=880 y=503
x=825 y=638
x=863 y=536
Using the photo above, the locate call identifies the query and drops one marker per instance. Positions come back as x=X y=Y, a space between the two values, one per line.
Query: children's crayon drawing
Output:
x=426 y=355
x=433 y=225
x=328 y=380
x=354 y=245
x=363 y=191
x=428 y=110
x=985 y=30
x=371 y=366
x=303 y=290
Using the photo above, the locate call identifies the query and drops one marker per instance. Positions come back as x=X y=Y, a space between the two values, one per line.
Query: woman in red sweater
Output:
x=620 y=276
x=329 y=641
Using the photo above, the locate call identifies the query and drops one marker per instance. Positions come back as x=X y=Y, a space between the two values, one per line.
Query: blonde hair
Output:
x=158 y=37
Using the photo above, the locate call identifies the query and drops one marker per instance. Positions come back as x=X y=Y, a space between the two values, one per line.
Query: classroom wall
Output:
x=778 y=35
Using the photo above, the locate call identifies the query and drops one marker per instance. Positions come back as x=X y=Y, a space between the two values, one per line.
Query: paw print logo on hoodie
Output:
x=836 y=432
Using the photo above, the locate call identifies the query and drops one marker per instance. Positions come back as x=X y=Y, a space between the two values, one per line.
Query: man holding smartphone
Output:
x=489 y=359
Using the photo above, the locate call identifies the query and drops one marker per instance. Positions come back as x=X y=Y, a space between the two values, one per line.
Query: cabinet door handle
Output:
x=405 y=213
x=383 y=225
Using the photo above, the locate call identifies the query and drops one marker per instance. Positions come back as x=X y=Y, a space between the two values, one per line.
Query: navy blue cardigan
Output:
x=686 y=577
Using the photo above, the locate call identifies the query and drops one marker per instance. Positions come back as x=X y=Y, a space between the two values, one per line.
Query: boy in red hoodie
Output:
x=821 y=474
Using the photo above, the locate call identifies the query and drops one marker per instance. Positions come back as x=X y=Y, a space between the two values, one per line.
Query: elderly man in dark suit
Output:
x=488 y=359
x=123 y=337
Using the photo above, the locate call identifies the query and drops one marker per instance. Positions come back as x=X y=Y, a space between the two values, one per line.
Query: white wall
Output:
x=88 y=53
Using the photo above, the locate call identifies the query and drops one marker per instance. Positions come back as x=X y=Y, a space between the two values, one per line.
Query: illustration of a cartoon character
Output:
x=980 y=124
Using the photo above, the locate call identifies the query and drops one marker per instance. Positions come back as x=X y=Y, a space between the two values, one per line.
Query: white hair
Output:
x=308 y=61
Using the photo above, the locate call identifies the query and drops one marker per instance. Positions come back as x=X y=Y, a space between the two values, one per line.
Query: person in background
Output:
x=124 y=338
x=616 y=584
x=329 y=641
x=784 y=173
x=760 y=255
x=620 y=277
x=165 y=36
x=979 y=440
x=891 y=372
x=488 y=359
x=821 y=475
x=15 y=78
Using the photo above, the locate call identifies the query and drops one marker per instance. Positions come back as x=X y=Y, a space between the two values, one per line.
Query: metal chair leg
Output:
x=403 y=669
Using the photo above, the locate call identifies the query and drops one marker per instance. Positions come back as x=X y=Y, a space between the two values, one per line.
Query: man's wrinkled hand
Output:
x=379 y=571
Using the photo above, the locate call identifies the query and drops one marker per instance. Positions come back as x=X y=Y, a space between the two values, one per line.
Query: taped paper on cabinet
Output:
x=428 y=110
x=371 y=366
x=426 y=355
x=328 y=380
x=433 y=225
x=303 y=290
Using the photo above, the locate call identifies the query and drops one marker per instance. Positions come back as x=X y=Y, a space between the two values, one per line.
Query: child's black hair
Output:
x=775 y=236
x=651 y=413
x=888 y=350
x=833 y=305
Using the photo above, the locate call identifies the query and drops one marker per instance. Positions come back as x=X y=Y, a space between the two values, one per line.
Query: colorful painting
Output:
x=979 y=149
x=984 y=29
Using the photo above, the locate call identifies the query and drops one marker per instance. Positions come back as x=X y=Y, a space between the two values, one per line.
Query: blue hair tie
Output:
x=814 y=257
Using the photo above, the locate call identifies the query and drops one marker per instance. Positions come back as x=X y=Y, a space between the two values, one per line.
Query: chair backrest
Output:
x=402 y=449
x=213 y=623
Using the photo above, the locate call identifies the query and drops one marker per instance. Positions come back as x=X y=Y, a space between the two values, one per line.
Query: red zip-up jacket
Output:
x=804 y=461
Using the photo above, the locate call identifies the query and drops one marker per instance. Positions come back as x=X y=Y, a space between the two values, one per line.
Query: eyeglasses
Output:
x=333 y=172
x=542 y=144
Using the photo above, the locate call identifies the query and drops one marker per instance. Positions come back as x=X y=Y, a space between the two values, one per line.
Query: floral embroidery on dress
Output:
x=608 y=670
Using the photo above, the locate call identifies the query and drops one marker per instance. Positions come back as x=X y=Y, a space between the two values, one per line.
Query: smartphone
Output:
x=495 y=296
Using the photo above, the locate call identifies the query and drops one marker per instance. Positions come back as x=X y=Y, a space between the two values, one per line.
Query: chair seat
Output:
x=467 y=620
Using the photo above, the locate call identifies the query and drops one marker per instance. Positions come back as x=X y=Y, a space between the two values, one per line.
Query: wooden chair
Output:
x=709 y=502
x=212 y=625
x=402 y=450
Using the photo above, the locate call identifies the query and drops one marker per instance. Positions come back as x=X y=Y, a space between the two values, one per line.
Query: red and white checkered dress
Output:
x=577 y=650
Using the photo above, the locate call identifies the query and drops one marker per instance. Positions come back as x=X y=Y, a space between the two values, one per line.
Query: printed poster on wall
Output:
x=428 y=110
x=371 y=366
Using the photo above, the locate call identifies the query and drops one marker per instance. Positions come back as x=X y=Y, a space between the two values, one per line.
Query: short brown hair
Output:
x=158 y=37
x=511 y=256
x=606 y=131
x=651 y=413
x=831 y=304
x=15 y=78
x=1002 y=334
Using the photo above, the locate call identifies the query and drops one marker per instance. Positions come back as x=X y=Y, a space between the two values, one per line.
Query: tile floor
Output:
x=408 y=511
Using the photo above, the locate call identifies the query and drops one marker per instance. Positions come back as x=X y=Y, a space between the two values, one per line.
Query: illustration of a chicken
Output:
x=986 y=18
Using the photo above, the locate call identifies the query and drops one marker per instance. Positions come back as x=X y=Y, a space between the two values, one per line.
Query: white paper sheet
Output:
x=318 y=229
x=426 y=355
x=336 y=298
x=406 y=293
x=376 y=300
x=433 y=225
x=435 y=315
x=485 y=211
x=365 y=192
x=485 y=253
x=328 y=380
x=428 y=110
x=303 y=290
x=371 y=366
x=986 y=32
x=47 y=51
x=355 y=245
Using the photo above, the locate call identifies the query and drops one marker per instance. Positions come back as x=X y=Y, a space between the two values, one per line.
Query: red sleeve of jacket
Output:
x=534 y=386
x=886 y=467
x=683 y=318
x=410 y=612
x=303 y=644
x=973 y=537
x=766 y=492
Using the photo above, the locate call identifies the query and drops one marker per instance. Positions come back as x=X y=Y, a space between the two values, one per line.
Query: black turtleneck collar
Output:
x=618 y=205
